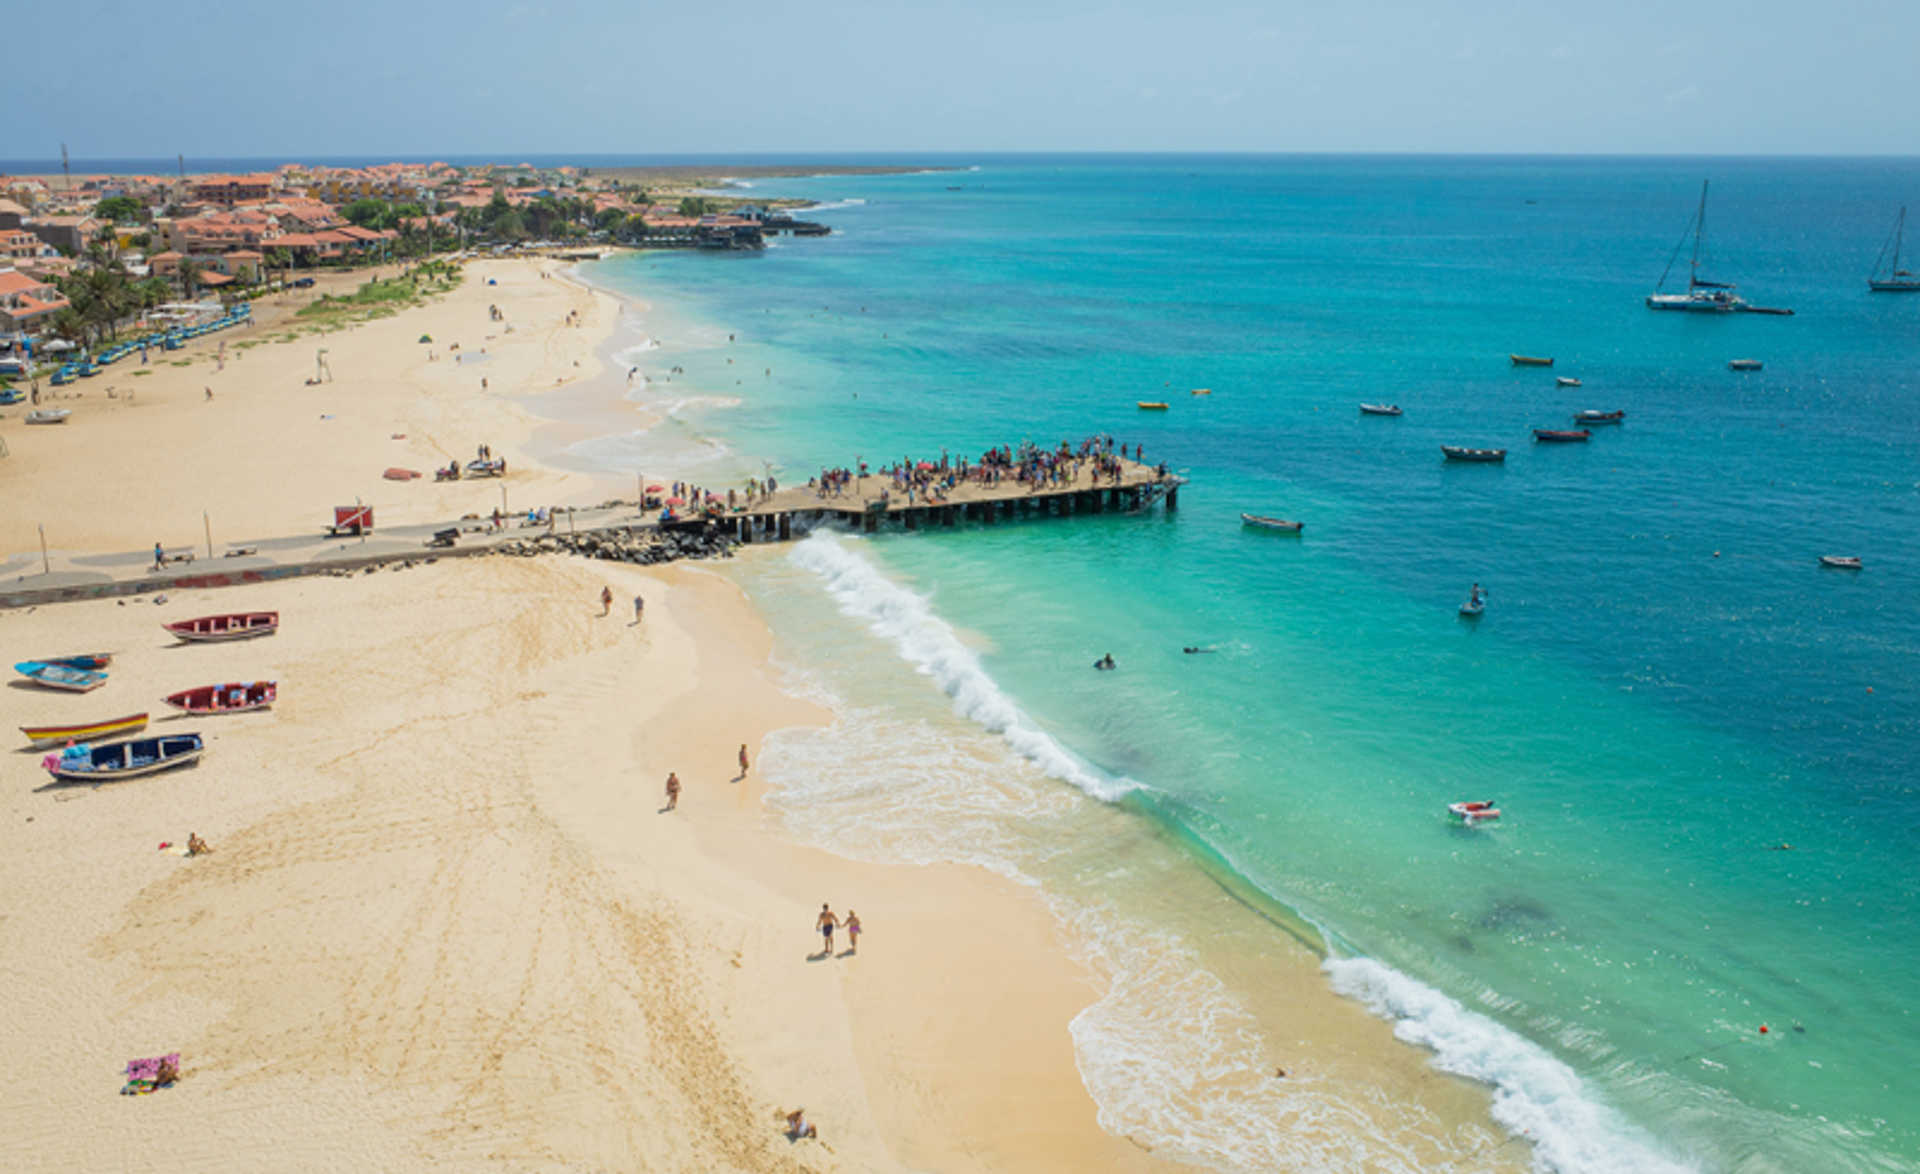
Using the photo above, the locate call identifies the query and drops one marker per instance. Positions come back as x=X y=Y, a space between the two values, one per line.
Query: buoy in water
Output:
x=1763 y=1029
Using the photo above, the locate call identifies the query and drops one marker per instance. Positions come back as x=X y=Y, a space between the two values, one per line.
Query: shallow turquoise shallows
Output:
x=1705 y=744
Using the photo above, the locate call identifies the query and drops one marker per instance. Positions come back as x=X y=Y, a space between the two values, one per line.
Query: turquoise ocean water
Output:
x=1666 y=685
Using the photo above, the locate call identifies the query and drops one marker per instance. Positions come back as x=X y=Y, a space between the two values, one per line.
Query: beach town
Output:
x=467 y=862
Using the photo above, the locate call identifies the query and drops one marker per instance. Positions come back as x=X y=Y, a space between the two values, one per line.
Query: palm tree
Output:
x=189 y=277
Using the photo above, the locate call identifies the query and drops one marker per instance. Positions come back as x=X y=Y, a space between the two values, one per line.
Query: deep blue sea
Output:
x=1666 y=689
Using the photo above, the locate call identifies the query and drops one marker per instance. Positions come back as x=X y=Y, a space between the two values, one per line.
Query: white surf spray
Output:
x=930 y=644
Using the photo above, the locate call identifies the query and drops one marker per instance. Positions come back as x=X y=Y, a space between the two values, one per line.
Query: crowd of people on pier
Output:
x=1030 y=465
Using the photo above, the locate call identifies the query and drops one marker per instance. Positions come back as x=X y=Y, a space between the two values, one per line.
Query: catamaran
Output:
x=1702 y=296
x=1897 y=280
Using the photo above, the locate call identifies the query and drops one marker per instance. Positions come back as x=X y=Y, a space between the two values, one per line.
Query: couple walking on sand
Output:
x=826 y=923
x=673 y=785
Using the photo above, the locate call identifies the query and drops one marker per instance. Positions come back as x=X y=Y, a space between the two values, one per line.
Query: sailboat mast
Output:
x=1699 y=231
x=1899 y=234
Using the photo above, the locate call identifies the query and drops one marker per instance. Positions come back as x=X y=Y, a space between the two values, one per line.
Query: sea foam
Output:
x=930 y=644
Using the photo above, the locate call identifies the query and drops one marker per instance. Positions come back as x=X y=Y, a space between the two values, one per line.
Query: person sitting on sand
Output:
x=197 y=846
x=167 y=1073
x=797 y=1127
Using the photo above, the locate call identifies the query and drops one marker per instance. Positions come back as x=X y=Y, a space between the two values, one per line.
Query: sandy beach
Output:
x=446 y=922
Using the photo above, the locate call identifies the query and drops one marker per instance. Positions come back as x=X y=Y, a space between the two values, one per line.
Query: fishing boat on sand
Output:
x=1379 y=409
x=1702 y=296
x=1530 y=361
x=493 y=468
x=1279 y=525
x=1596 y=416
x=1897 y=280
x=1477 y=811
x=1560 y=435
x=234 y=626
x=235 y=697
x=124 y=760
x=133 y=723
x=1566 y=381
x=1484 y=456
x=84 y=660
x=59 y=676
x=1841 y=562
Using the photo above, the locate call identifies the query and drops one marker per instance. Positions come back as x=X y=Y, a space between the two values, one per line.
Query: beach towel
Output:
x=143 y=1076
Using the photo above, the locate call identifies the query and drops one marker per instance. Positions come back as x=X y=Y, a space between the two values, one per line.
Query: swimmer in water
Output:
x=1105 y=663
x=1191 y=650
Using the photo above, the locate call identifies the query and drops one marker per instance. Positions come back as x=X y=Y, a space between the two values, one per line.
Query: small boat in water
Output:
x=124 y=760
x=1595 y=416
x=1841 y=562
x=60 y=676
x=1560 y=435
x=234 y=626
x=133 y=723
x=1743 y=364
x=1530 y=361
x=1203 y=391
x=48 y=416
x=1379 y=409
x=1566 y=381
x=236 y=697
x=1277 y=524
x=1477 y=811
x=1151 y=405
x=1897 y=280
x=1485 y=456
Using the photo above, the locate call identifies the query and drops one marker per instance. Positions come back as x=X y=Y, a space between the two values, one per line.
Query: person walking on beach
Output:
x=825 y=923
x=606 y=600
x=743 y=760
x=673 y=790
x=853 y=932
x=639 y=608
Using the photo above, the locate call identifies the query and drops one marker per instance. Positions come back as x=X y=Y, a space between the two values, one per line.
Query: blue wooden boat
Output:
x=60 y=676
x=63 y=376
x=124 y=760
x=84 y=660
x=10 y=396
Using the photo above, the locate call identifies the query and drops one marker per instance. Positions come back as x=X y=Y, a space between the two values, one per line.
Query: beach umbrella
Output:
x=426 y=338
x=676 y=501
x=656 y=489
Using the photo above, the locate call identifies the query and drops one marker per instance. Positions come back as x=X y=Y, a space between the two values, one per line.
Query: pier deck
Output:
x=866 y=505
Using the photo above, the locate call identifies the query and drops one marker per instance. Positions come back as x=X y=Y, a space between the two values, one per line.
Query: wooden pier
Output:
x=870 y=503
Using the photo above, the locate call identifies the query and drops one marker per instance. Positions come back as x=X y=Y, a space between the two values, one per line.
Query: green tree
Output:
x=121 y=210
x=369 y=213
x=188 y=275
x=693 y=206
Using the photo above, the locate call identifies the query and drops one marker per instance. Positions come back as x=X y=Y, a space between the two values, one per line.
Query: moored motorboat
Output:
x=1560 y=435
x=1380 y=409
x=124 y=760
x=234 y=697
x=1151 y=405
x=1702 y=296
x=1595 y=416
x=1897 y=279
x=48 y=416
x=1476 y=811
x=1743 y=364
x=1485 y=456
x=60 y=676
x=1530 y=361
x=233 y=626
x=1203 y=391
x=133 y=723
x=1264 y=523
x=1566 y=381
x=1841 y=562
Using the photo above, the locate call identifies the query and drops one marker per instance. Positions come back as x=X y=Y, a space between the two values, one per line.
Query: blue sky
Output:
x=636 y=76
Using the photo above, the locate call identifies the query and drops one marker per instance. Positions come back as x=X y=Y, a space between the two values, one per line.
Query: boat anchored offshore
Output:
x=1280 y=525
x=1743 y=364
x=1702 y=296
x=1897 y=280
x=1477 y=811
x=1593 y=416
x=1841 y=562
x=1485 y=456
x=1146 y=405
x=1566 y=381
x=1560 y=435
x=1379 y=409
x=1530 y=361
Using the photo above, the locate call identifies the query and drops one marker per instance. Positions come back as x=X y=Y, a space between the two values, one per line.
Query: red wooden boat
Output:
x=234 y=697
x=1560 y=435
x=244 y=625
